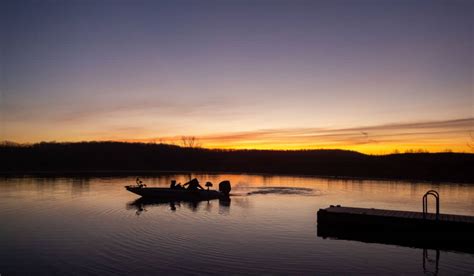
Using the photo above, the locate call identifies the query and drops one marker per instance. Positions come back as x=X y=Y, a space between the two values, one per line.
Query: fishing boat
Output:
x=180 y=193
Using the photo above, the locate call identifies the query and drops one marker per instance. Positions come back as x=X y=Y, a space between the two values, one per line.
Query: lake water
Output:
x=94 y=226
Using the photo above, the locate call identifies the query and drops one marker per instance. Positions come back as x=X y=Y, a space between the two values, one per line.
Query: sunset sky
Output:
x=372 y=76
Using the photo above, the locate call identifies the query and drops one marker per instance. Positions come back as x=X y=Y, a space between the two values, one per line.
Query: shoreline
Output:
x=132 y=159
x=138 y=173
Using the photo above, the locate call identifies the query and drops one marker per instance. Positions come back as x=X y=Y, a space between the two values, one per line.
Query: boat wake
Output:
x=284 y=191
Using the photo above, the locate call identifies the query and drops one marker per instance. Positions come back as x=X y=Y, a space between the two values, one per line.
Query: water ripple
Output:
x=282 y=191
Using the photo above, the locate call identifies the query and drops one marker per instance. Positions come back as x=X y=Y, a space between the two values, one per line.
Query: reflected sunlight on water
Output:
x=92 y=225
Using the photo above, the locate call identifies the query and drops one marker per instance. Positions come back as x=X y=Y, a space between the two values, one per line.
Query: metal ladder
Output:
x=425 y=203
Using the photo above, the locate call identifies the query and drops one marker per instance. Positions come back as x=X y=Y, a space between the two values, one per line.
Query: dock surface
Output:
x=399 y=214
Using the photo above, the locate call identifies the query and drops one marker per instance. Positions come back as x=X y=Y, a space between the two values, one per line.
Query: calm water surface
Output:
x=94 y=226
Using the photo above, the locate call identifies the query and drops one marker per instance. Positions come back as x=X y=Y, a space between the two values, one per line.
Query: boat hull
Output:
x=166 y=193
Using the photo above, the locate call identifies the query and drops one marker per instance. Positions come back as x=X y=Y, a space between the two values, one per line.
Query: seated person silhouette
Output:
x=193 y=185
x=175 y=186
x=140 y=183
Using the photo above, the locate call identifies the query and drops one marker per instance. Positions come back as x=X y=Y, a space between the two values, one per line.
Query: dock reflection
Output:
x=393 y=237
x=431 y=253
x=142 y=204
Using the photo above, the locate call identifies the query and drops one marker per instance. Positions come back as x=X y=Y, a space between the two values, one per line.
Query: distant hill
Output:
x=122 y=157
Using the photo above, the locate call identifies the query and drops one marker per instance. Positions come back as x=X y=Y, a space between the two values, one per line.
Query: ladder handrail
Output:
x=433 y=191
x=435 y=194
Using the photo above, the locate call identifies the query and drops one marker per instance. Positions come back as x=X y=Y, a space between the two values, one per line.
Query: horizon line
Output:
x=407 y=151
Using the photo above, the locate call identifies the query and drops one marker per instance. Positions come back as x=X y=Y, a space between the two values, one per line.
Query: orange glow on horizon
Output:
x=377 y=149
x=435 y=136
x=429 y=136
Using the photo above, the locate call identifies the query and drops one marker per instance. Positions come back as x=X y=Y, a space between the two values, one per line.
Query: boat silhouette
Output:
x=180 y=193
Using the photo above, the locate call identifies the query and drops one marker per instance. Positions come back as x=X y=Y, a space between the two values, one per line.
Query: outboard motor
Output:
x=224 y=187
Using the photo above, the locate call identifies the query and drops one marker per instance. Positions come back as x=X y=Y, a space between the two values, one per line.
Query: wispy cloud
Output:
x=447 y=133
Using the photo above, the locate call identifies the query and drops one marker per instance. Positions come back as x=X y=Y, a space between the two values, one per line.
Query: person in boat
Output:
x=193 y=185
x=175 y=186
x=140 y=183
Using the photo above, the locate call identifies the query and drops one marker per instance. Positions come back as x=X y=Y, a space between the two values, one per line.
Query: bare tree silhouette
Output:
x=190 y=142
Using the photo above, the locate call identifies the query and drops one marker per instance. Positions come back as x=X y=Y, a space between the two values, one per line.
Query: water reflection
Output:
x=430 y=265
x=142 y=204
x=430 y=256
x=80 y=186
x=89 y=226
x=284 y=191
x=462 y=242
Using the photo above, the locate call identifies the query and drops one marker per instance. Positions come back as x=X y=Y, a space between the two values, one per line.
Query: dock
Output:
x=414 y=229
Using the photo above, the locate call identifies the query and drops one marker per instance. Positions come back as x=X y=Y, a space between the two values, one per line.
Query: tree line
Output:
x=87 y=157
